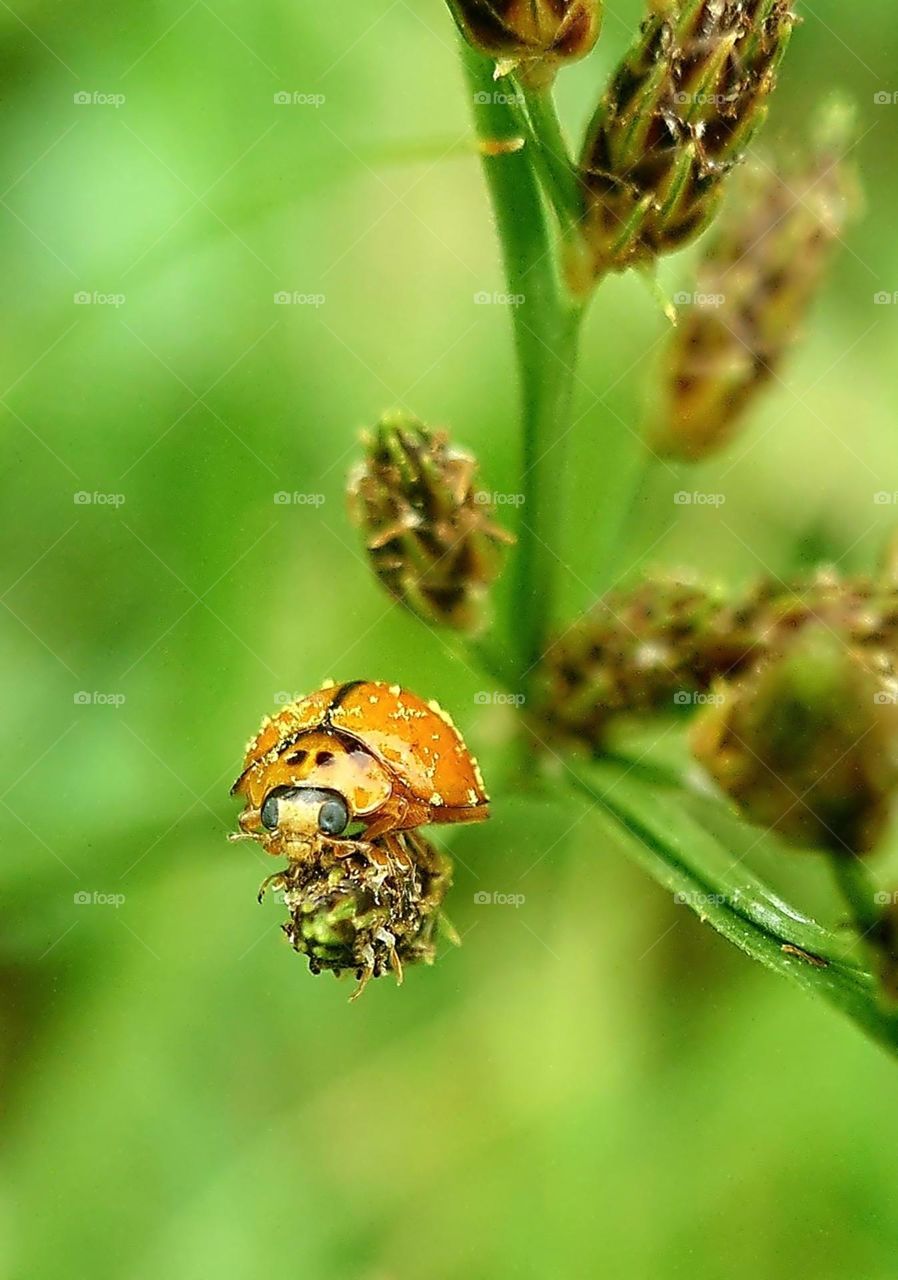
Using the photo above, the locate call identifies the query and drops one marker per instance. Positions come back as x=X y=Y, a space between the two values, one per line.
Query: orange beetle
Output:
x=356 y=760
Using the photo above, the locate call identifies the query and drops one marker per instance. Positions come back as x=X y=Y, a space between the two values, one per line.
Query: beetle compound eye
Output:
x=333 y=817
x=269 y=812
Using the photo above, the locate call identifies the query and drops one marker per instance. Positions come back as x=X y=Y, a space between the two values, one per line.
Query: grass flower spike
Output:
x=755 y=285
x=807 y=744
x=638 y=650
x=677 y=115
x=430 y=533
x=648 y=648
x=533 y=36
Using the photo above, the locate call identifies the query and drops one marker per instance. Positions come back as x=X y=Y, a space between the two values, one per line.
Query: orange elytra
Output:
x=361 y=759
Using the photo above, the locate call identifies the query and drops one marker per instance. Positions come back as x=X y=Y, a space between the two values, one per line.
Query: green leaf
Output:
x=684 y=857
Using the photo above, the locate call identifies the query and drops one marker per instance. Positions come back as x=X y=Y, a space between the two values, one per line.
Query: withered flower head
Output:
x=755 y=285
x=430 y=533
x=676 y=117
x=367 y=908
x=641 y=649
x=806 y=743
x=536 y=36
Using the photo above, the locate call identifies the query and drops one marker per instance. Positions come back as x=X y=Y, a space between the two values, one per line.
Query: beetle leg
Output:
x=380 y=826
x=395 y=963
x=396 y=850
x=278 y=880
x=364 y=974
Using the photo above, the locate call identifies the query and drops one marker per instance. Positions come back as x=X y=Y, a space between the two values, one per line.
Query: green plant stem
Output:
x=858 y=891
x=550 y=149
x=546 y=325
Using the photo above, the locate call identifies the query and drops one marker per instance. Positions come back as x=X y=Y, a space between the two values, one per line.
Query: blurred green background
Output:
x=594 y=1083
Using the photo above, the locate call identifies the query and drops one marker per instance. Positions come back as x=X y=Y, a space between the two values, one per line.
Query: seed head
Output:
x=657 y=646
x=366 y=907
x=429 y=532
x=535 y=36
x=807 y=744
x=677 y=115
x=756 y=283
x=640 y=650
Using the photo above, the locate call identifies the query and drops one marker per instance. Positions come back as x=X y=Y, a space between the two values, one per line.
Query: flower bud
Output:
x=535 y=36
x=756 y=282
x=646 y=649
x=662 y=644
x=371 y=910
x=806 y=743
x=677 y=115
x=430 y=533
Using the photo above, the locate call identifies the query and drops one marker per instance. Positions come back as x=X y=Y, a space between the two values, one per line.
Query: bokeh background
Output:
x=594 y=1083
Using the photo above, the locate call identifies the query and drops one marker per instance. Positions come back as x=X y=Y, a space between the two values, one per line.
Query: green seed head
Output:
x=536 y=36
x=807 y=743
x=366 y=908
x=677 y=115
x=643 y=649
x=651 y=648
x=429 y=532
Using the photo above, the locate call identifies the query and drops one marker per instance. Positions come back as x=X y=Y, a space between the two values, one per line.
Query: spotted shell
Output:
x=415 y=740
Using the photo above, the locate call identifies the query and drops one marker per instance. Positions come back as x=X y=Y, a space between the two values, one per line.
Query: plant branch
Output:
x=550 y=151
x=546 y=325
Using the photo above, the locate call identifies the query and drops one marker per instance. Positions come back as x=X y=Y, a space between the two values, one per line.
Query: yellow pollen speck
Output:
x=395 y=690
x=436 y=798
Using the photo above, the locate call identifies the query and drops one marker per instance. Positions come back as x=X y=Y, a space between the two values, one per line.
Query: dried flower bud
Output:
x=640 y=650
x=755 y=285
x=430 y=533
x=807 y=744
x=535 y=36
x=652 y=647
x=680 y=109
x=369 y=910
